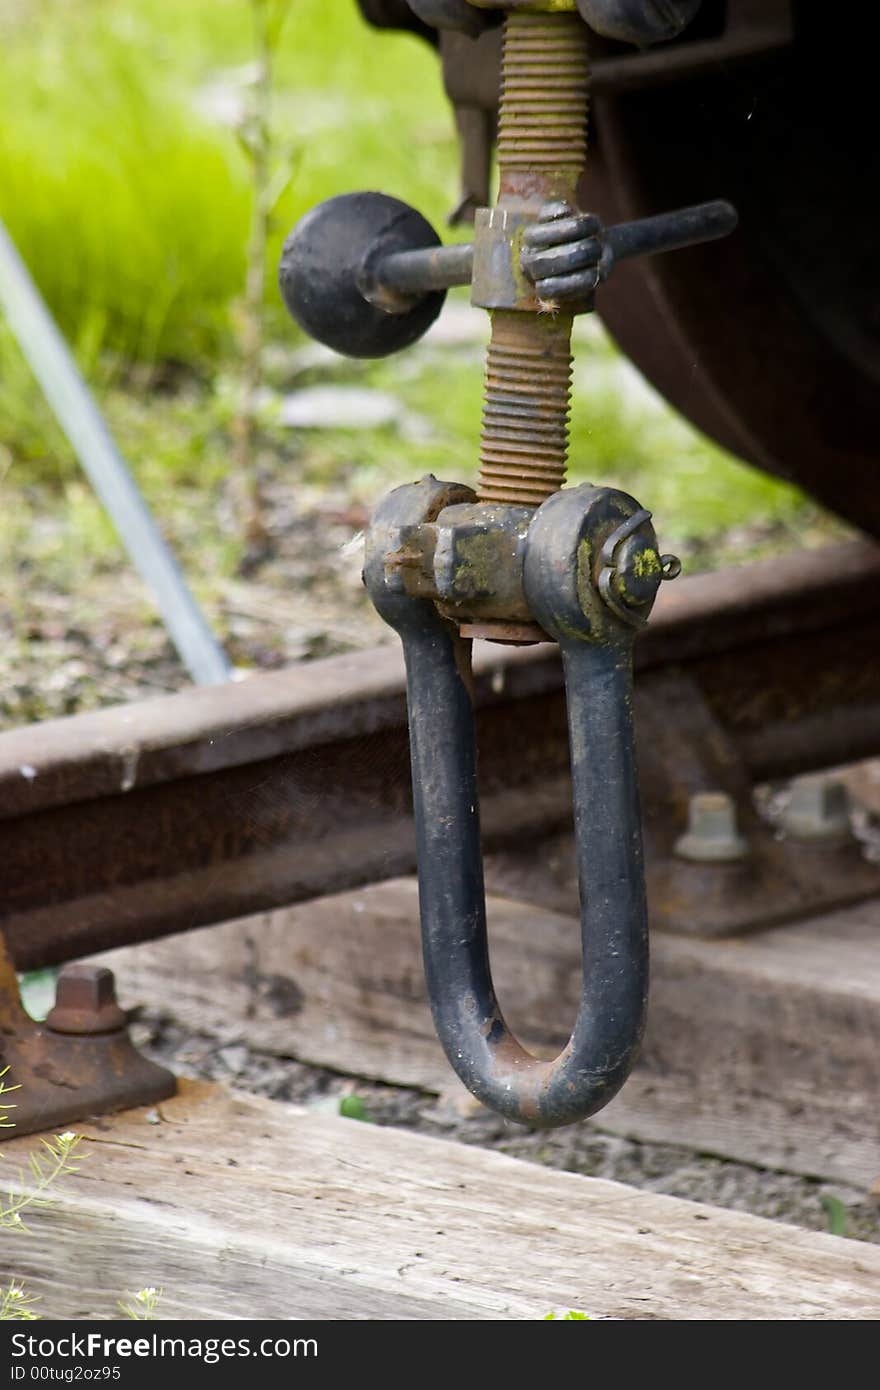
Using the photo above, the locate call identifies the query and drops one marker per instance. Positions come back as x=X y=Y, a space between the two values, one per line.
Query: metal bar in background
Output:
x=76 y=412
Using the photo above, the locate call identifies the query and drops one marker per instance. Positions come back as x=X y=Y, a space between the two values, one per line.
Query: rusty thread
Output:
x=525 y=409
x=542 y=141
x=542 y=122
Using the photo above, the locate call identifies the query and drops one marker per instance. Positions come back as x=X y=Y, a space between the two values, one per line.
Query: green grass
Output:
x=126 y=192
x=836 y=1214
x=130 y=215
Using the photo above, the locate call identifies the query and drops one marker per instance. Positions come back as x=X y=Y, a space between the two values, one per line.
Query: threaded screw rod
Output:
x=541 y=154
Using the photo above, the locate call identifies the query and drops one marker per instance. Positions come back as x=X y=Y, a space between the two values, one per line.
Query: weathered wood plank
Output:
x=764 y=1049
x=240 y=1207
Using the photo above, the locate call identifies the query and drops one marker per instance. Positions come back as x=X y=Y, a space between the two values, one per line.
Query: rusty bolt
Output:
x=85 y=1002
x=818 y=811
x=712 y=836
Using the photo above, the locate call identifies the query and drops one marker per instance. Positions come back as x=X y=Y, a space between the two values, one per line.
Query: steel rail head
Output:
x=567 y=551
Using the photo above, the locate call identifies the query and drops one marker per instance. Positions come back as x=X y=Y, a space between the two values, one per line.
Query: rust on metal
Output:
x=516 y=634
x=524 y=442
x=81 y=1062
x=85 y=1002
x=542 y=133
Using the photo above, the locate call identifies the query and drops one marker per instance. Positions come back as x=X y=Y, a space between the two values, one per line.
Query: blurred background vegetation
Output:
x=124 y=184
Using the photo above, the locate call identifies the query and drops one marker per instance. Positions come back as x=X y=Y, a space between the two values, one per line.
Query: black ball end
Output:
x=321 y=267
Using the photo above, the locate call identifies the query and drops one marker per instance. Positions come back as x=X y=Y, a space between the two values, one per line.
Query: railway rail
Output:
x=147 y=819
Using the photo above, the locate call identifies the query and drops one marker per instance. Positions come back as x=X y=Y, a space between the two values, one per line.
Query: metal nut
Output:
x=818 y=811
x=712 y=836
x=85 y=1002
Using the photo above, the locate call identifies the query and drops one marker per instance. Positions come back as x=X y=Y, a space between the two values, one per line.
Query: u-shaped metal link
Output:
x=597 y=655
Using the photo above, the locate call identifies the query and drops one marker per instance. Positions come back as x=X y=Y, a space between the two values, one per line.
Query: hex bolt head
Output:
x=817 y=811
x=85 y=1002
x=712 y=836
